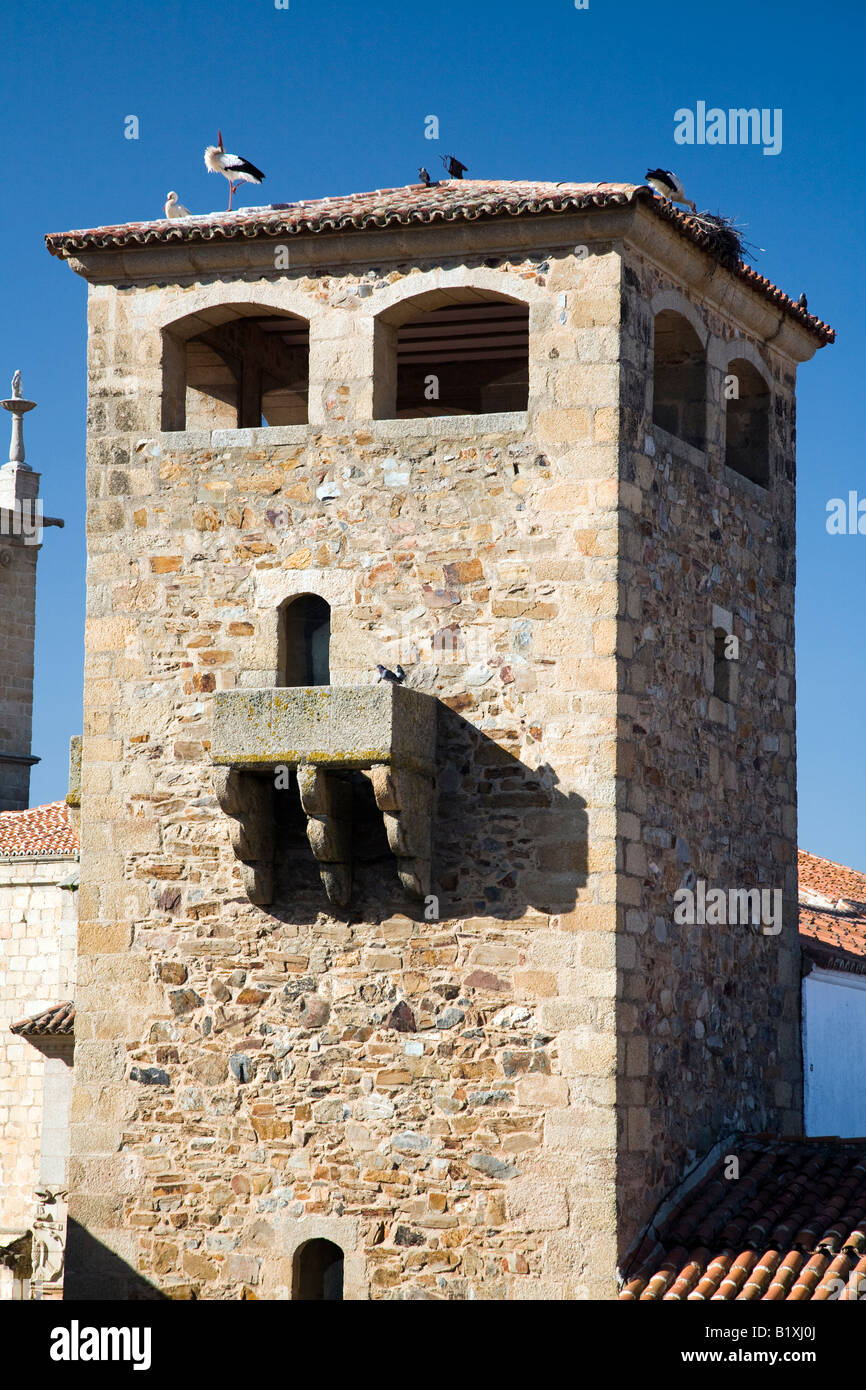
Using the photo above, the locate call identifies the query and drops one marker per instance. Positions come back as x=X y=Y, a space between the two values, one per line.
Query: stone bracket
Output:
x=385 y=731
x=248 y=800
x=405 y=798
x=327 y=803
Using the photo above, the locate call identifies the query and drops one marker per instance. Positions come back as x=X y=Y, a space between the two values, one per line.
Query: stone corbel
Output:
x=248 y=800
x=327 y=734
x=327 y=803
x=405 y=798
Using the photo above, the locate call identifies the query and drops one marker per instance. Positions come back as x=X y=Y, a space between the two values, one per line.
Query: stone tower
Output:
x=21 y=523
x=381 y=987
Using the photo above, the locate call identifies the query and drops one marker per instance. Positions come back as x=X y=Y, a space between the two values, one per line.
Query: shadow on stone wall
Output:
x=504 y=839
x=93 y=1272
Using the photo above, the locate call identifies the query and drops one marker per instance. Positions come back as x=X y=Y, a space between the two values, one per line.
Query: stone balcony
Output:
x=324 y=732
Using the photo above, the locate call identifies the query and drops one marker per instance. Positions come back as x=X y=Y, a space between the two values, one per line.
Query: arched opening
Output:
x=455 y=352
x=247 y=367
x=679 y=379
x=317 y=1273
x=747 y=422
x=304 y=656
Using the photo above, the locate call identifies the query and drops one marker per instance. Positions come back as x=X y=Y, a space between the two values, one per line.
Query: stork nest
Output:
x=727 y=243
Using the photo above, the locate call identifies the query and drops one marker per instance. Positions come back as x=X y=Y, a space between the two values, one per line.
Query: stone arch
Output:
x=234 y=363
x=294 y=1233
x=722 y=351
x=388 y=301
x=451 y=343
x=679 y=370
x=208 y=301
x=676 y=302
x=351 y=650
x=748 y=408
x=318 y=1271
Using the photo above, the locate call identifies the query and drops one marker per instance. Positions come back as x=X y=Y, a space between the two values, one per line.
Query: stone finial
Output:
x=18 y=407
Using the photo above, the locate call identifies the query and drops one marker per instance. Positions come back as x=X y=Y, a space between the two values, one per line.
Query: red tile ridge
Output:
x=447 y=201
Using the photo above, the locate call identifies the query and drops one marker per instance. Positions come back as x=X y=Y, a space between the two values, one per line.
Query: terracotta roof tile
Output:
x=449 y=201
x=832 y=914
x=792 y=1227
x=58 y=1020
x=43 y=830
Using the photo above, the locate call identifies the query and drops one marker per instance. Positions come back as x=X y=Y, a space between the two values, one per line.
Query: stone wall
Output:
x=475 y=1102
x=37 y=949
x=457 y=1142
x=709 y=1018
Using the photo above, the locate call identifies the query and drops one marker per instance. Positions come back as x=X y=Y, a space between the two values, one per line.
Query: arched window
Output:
x=246 y=368
x=679 y=379
x=305 y=641
x=452 y=352
x=747 y=422
x=317 y=1274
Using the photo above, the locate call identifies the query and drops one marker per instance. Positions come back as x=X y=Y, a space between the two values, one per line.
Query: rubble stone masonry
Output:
x=485 y=1098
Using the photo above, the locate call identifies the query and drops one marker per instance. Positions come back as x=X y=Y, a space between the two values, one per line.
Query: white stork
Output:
x=173 y=208
x=231 y=166
x=669 y=186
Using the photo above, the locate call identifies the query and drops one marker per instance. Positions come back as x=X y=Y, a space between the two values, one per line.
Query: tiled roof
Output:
x=792 y=1226
x=43 y=830
x=455 y=200
x=832 y=914
x=58 y=1020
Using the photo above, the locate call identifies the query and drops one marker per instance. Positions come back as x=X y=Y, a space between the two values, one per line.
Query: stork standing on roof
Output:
x=666 y=183
x=231 y=166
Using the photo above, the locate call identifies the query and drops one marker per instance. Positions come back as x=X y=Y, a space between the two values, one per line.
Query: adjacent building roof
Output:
x=58 y=1021
x=41 y=831
x=453 y=200
x=791 y=1226
x=832 y=914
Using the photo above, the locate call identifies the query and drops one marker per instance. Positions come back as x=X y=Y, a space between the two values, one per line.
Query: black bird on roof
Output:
x=396 y=677
x=456 y=170
x=424 y=176
x=802 y=302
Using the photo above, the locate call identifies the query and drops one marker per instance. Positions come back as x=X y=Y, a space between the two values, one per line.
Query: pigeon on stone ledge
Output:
x=397 y=677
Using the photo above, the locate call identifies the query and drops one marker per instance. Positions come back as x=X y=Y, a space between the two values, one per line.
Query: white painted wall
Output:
x=834 y=1053
x=37 y=969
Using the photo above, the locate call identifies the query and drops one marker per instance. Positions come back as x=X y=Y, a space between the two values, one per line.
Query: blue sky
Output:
x=330 y=96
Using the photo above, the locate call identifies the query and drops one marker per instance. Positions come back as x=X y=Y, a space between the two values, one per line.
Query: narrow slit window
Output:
x=305 y=642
